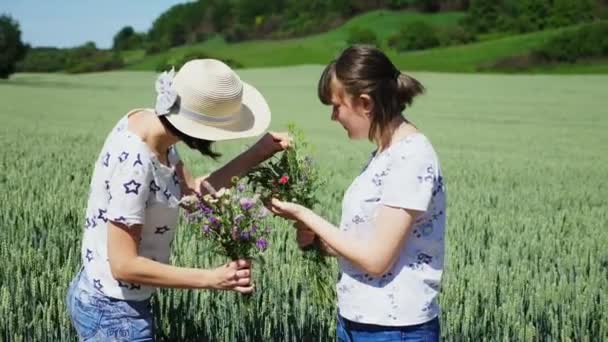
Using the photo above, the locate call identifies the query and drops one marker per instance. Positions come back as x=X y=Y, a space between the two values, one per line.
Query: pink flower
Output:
x=284 y=179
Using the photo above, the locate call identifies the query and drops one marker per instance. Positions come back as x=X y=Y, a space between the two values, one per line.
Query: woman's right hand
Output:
x=233 y=276
x=305 y=236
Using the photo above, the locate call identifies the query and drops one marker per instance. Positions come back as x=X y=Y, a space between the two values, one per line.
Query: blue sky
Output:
x=66 y=23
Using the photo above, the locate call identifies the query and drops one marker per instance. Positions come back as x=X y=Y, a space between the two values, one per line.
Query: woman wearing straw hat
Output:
x=137 y=183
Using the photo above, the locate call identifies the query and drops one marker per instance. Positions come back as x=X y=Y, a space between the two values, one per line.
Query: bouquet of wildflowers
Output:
x=293 y=177
x=232 y=219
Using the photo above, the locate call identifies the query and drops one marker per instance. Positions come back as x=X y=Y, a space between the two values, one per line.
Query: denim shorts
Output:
x=349 y=331
x=100 y=318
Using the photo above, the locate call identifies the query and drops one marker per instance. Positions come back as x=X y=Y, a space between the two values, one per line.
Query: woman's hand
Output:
x=270 y=144
x=233 y=276
x=305 y=236
x=288 y=210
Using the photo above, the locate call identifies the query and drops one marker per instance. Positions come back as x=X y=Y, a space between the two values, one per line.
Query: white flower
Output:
x=220 y=193
x=189 y=200
x=166 y=96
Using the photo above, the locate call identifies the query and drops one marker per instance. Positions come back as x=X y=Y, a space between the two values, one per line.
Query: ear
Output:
x=366 y=103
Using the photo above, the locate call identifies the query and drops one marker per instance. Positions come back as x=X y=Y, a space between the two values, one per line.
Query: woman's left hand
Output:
x=272 y=143
x=288 y=210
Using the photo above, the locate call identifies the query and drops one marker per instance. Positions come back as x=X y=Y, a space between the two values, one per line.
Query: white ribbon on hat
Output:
x=166 y=96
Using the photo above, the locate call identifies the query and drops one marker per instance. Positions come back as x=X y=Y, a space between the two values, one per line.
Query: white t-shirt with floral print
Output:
x=406 y=175
x=129 y=186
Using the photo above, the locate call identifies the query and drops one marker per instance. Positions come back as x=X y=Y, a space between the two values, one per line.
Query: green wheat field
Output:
x=526 y=167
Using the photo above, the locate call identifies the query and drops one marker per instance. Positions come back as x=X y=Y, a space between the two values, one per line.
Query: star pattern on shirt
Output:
x=132 y=187
x=97 y=285
x=162 y=230
x=106 y=159
x=123 y=156
x=120 y=219
x=167 y=193
x=102 y=215
x=175 y=178
x=89 y=255
x=138 y=160
x=153 y=187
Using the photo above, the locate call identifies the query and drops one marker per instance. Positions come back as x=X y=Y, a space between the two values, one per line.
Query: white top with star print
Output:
x=129 y=186
x=406 y=175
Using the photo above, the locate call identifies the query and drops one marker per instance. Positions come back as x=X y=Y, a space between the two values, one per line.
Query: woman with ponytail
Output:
x=390 y=241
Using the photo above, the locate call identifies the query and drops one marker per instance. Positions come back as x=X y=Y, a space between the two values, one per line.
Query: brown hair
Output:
x=201 y=145
x=364 y=69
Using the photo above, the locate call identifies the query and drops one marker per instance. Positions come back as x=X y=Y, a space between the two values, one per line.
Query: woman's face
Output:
x=352 y=113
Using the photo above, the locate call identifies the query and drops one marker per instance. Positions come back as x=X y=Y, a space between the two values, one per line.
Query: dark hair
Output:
x=201 y=145
x=363 y=69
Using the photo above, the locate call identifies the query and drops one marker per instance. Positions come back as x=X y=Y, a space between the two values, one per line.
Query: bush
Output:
x=358 y=35
x=177 y=62
x=399 y=4
x=590 y=40
x=569 y=12
x=44 y=60
x=154 y=47
x=103 y=61
x=455 y=35
x=414 y=36
x=236 y=34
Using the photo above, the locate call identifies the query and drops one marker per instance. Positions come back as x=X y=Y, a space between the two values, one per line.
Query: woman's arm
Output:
x=265 y=148
x=306 y=238
x=126 y=265
x=374 y=255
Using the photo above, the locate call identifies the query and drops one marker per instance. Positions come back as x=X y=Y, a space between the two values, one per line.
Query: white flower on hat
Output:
x=166 y=96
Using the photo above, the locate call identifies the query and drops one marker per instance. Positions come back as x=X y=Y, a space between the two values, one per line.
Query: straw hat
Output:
x=206 y=99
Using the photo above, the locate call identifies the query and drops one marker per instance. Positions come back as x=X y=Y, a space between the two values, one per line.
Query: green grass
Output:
x=598 y=66
x=467 y=58
x=525 y=168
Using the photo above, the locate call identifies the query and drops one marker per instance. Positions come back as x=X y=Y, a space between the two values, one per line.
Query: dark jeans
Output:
x=349 y=331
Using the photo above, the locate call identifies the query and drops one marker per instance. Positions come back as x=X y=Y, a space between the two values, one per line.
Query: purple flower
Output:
x=245 y=235
x=262 y=244
x=213 y=220
x=239 y=218
x=254 y=229
x=240 y=187
x=246 y=203
x=206 y=229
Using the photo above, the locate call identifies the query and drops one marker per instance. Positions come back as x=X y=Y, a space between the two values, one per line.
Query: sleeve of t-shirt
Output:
x=129 y=190
x=409 y=183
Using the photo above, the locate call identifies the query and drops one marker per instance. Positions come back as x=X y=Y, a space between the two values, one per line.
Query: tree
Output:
x=127 y=39
x=482 y=16
x=568 y=12
x=12 y=49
